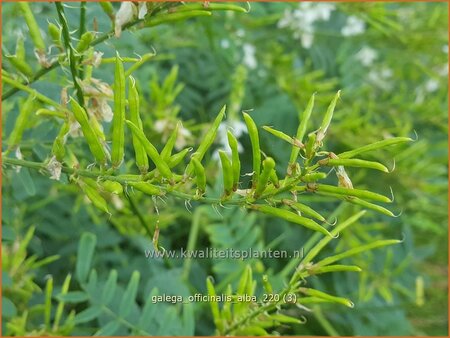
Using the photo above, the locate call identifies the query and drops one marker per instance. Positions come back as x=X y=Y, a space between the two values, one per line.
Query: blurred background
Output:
x=391 y=62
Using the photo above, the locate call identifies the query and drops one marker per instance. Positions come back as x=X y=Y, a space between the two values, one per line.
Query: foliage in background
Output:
x=271 y=60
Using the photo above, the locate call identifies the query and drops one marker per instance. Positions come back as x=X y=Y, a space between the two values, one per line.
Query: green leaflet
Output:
x=86 y=249
x=374 y=146
x=151 y=151
x=129 y=295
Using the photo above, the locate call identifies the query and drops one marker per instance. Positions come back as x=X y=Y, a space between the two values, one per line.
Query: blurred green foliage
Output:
x=391 y=62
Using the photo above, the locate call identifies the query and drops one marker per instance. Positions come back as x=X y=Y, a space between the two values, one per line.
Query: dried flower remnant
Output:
x=125 y=14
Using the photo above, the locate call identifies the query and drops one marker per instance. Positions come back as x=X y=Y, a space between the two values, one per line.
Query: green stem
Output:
x=82 y=29
x=70 y=52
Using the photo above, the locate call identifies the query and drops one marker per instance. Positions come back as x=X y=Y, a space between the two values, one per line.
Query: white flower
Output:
x=366 y=55
x=225 y=43
x=431 y=85
x=124 y=15
x=166 y=126
x=381 y=78
x=142 y=10
x=301 y=21
x=445 y=49
x=97 y=58
x=353 y=26
x=237 y=127
x=249 y=56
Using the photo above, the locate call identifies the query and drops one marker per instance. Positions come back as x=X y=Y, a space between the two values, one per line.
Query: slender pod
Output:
x=172 y=17
x=139 y=63
x=333 y=268
x=371 y=206
x=133 y=105
x=304 y=118
x=176 y=159
x=49 y=112
x=310 y=146
x=207 y=140
x=214 y=303
x=58 y=149
x=33 y=27
x=235 y=161
x=349 y=192
x=268 y=167
x=108 y=8
x=274 y=178
x=266 y=285
x=151 y=151
x=353 y=163
x=291 y=217
x=326 y=296
x=21 y=122
x=91 y=137
x=254 y=139
x=200 y=175
x=55 y=33
x=313 y=177
x=304 y=209
x=97 y=127
x=284 y=137
x=210 y=7
x=146 y=187
x=327 y=119
x=227 y=172
x=374 y=146
x=168 y=147
x=94 y=196
x=19 y=63
x=118 y=130
x=85 y=41
x=112 y=187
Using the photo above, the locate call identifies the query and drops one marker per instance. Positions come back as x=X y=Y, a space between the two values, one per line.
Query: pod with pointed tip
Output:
x=291 y=217
x=133 y=105
x=374 y=146
x=208 y=140
x=200 y=175
x=94 y=196
x=58 y=149
x=176 y=159
x=353 y=163
x=172 y=17
x=214 y=303
x=313 y=177
x=112 y=187
x=85 y=41
x=21 y=122
x=326 y=296
x=91 y=137
x=349 y=192
x=118 y=130
x=210 y=7
x=327 y=119
x=227 y=172
x=256 y=152
x=268 y=166
x=151 y=151
x=168 y=147
x=235 y=161
x=146 y=188
x=274 y=178
x=55 y=33
x=304 y=209
x=33 y=27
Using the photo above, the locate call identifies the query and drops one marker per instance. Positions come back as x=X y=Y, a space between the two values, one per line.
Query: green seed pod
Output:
x=283 y=319
x=91 y=137
x=49 y=112
x=96 y=126
x=327 y=119
x=284 y=137
x=268 y=166
x=304 y=209
x=112 y=187
x=369 y=205
x=254 y=139
x=313 y=177
x=176 y=159
x=227 y=172
x=353 y=163
x=326 y=296
x=85 y=41
x=107 y=8
x=147 y=188
x=291 y=217
x=333 y=268
x=214 y=303
x=33 y=27
x=274 y=178
x=310 y=146
x=160 y=19
x=168 y=147
x=55 y=33
x=151 y=151
x=210 y=7
x=235 y=162
x=21 y=122
x=20 y=65
x=350 y=192
x=200 y=175
x=118 y=131
x=130 y=177
x=20 y=48
x=138 y=63
x=304 y=118
x=94 y=196
x=374 y=146
x=133 y=104
x=58 y=149
x=226 y=308
x=208 y=140
x=266 y=284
